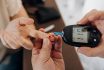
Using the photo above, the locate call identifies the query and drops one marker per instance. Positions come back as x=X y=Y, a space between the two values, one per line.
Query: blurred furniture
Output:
x=41 y=11
x=70 y=57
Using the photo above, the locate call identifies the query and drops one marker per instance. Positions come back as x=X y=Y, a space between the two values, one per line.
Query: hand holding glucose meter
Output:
x=80 y=35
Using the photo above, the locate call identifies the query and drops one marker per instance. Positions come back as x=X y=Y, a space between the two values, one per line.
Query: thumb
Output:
x=89 y=17
x=46 y=50
x=91 y=52
x=26 y=43
x=86 y=51
x=57 y=52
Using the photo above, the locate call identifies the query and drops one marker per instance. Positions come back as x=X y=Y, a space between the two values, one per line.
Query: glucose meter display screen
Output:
x=80 y=35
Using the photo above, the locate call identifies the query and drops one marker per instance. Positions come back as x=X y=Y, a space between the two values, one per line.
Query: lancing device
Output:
x=80 y=35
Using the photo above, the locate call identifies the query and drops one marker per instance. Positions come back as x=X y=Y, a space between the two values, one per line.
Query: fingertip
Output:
x=83 y=21
x=79 y=22
x=26 y=43
x=52 y=37
x=51 y=34
x=42 y=29
x=59 y=38
x=59 y=42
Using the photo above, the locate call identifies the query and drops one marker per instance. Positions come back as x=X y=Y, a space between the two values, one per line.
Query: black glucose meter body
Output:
x=80 y=35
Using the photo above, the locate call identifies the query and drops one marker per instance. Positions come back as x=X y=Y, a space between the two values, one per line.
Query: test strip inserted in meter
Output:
x=77 y=35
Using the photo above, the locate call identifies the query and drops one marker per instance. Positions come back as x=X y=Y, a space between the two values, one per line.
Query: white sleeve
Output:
x=92 y=4
x=13 y=6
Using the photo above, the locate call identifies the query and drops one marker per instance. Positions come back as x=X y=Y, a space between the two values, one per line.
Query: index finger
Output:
x=89 y=17
x=38 y=34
